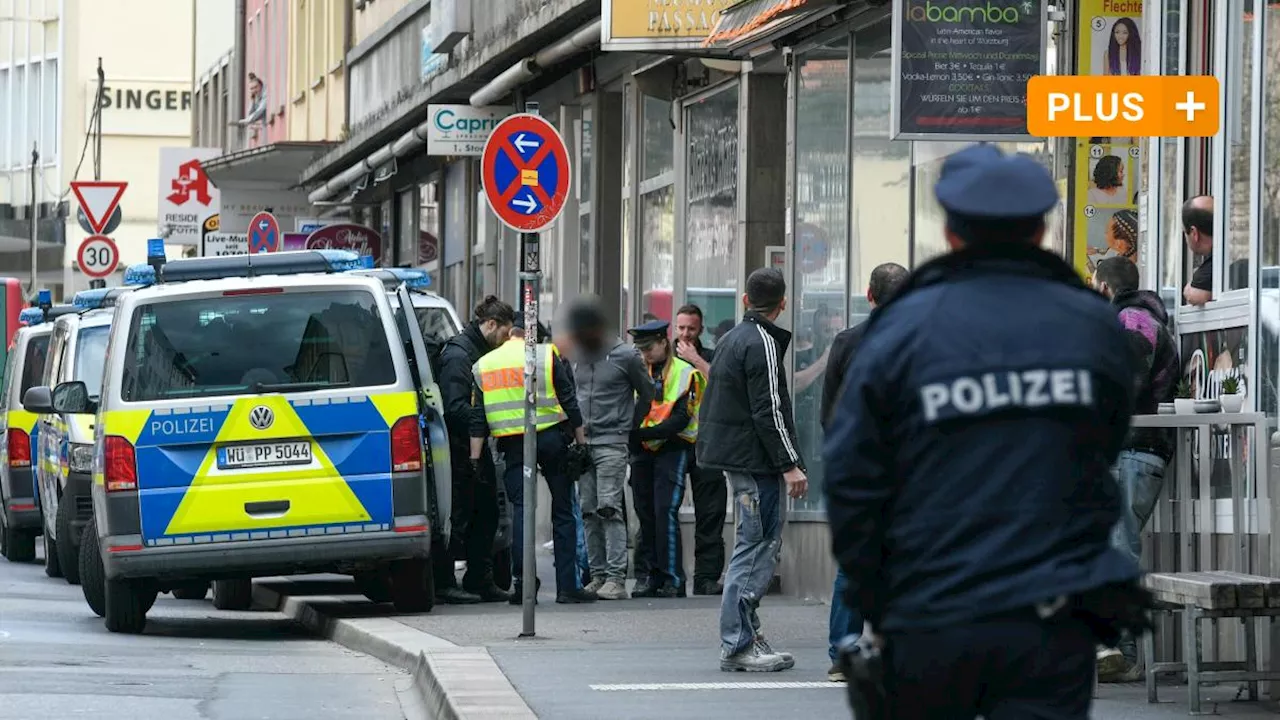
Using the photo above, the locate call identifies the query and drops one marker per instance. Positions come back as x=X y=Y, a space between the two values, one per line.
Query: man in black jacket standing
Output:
x=746 y=430
x=970 y=493
x=475 y=494
x=884 y=282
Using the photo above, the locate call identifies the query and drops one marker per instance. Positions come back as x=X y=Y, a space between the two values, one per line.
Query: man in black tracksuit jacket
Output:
x=969 y=488
x=745 y=428
x=475 y=488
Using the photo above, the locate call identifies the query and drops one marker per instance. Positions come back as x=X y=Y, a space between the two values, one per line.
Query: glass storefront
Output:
x=425 y=251
x=657 y=208
x=821 y=286
x=711 y=219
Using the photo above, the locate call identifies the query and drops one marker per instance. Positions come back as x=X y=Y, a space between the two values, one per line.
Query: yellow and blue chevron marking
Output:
x=184 y=497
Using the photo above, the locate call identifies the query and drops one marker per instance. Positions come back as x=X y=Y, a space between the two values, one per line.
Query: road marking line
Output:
x=716 y=686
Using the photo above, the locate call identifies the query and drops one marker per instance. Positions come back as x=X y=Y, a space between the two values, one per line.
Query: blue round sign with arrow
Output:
x=526 y=172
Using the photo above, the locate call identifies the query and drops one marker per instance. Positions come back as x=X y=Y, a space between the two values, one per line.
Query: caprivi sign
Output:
x=357 y=238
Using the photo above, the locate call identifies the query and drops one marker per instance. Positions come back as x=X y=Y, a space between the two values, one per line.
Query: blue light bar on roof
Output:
x=140 y=274
x=366 y=262
x=155 y=248
x=44 y=298
x=31 y=316
x=392 y=278
x=91 y=299
x=292 y=262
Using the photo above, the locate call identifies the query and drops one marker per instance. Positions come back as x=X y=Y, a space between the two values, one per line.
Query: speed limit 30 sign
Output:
x=98 y=256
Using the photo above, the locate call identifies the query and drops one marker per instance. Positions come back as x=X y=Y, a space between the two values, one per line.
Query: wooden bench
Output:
x=1204 y=596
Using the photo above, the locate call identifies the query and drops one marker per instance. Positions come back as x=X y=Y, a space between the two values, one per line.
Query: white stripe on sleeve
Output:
x=771 y=359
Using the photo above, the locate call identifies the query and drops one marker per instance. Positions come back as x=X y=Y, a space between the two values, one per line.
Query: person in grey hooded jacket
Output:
x=614 y=393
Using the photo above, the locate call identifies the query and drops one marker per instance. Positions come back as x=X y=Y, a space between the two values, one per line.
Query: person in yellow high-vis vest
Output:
x=498 y=410
x=661 y=450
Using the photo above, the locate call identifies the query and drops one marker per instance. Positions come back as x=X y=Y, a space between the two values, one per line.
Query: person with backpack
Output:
x=475 y=485
x=1139 y=471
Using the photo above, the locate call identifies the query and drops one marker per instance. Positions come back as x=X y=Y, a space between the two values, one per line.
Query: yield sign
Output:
x=98 y=200
x=526 y=172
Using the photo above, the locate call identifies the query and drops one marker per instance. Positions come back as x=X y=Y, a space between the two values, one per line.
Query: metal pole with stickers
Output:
x=526 y=180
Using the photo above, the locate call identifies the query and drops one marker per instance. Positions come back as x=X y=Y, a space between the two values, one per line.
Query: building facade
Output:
x=48 y=85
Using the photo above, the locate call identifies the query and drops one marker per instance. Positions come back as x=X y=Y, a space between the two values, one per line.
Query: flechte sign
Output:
x=960 y=68
x=645 y=25
x=187 y=198
x=346 y=236
x=461 y=129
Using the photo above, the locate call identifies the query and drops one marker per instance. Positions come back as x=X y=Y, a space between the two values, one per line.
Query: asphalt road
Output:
x=194 y=662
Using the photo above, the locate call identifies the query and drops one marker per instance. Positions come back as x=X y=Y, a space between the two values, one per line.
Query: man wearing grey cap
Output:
x=969 y=490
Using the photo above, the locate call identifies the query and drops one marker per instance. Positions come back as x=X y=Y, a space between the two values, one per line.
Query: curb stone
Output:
x=450 y=682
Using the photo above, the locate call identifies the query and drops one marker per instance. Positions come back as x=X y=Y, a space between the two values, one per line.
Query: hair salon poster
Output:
x=1107 y=168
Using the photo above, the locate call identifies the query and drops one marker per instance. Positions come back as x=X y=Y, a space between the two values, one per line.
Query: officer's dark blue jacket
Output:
x=968 y=458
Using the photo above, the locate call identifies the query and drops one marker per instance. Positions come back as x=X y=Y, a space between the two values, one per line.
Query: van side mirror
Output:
x=72 y=397
x=38 y=400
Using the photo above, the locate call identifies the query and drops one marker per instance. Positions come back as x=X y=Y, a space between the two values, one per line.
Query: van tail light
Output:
x=120 y=467
x=406 y=445
x=19 y=448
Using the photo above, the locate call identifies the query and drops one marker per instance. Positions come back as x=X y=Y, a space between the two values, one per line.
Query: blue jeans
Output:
x=1140 y=476
x=759 y=499
x=584 y=566
x=844 y=620
x=552 y=444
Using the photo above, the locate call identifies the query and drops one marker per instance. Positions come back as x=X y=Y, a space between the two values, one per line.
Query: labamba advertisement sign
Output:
x=960 y=68
x=1105 y=187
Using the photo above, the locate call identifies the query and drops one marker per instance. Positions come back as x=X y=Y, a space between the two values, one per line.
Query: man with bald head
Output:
x=1197 y=228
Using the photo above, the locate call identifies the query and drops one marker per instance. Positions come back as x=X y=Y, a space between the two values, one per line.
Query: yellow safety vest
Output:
x=500 y=375
x=678 y=378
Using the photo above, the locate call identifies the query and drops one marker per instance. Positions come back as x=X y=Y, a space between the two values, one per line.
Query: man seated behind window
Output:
x=1197 y=228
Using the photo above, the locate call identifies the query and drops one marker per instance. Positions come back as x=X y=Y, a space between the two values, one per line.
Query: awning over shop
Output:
x=749 y=20
x=280 y=164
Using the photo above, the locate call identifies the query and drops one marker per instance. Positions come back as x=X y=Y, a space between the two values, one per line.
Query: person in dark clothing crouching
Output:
x=969 y=488
x=475 y=494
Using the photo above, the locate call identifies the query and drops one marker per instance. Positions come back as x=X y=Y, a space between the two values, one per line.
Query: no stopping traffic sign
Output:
x=98 y=256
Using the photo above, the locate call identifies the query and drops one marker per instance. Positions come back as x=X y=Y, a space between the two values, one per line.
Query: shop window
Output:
x=822 y=287
x=881 y=169
x=1268 y=397
x=1172 y=245
x=426 y=249
x=657 y=209
x=585 y=169
x=711 y=239
x=629 y=179
x=1239 y=148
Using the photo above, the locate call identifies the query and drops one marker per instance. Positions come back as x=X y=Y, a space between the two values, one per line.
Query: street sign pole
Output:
x=530 y=275
x=526 y=177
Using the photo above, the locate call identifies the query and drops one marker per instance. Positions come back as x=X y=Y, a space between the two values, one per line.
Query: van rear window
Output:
x=33 y=363
x=249 y=344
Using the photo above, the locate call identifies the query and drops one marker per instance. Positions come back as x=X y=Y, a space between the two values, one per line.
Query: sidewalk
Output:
x=643 y=658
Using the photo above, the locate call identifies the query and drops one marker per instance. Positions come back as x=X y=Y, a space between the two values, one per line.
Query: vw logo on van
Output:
x=261 y=417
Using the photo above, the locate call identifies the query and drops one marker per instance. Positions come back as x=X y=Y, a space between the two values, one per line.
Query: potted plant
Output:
x=1232 y=395
x=1183 y=403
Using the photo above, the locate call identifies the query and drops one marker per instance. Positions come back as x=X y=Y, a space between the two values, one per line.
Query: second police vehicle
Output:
x=20 y=518
x=259 y=415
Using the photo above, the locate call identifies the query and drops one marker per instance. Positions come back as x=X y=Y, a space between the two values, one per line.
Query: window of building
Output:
x=1268 y=399
x=629 y=94
x=426 y=248
x=711 y=223
x=33 y=87
x=49 y=111
x=6 y=110
x=821 y=286
x=318 y=41
x=657 y=210
x=298 y=49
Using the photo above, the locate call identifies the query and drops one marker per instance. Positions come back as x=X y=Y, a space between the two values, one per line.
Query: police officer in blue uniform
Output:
x=968 y=486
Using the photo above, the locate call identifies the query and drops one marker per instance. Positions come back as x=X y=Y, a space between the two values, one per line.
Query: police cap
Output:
x=650 y=332
x=981 y=181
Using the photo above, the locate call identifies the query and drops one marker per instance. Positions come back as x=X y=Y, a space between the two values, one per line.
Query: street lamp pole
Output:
x=35 y=214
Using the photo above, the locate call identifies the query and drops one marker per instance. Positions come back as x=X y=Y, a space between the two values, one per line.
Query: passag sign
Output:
x=461 y=129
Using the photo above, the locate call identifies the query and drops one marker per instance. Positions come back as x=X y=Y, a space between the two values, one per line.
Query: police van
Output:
x=259 y=415
x=64 y=451
x=19 y=501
